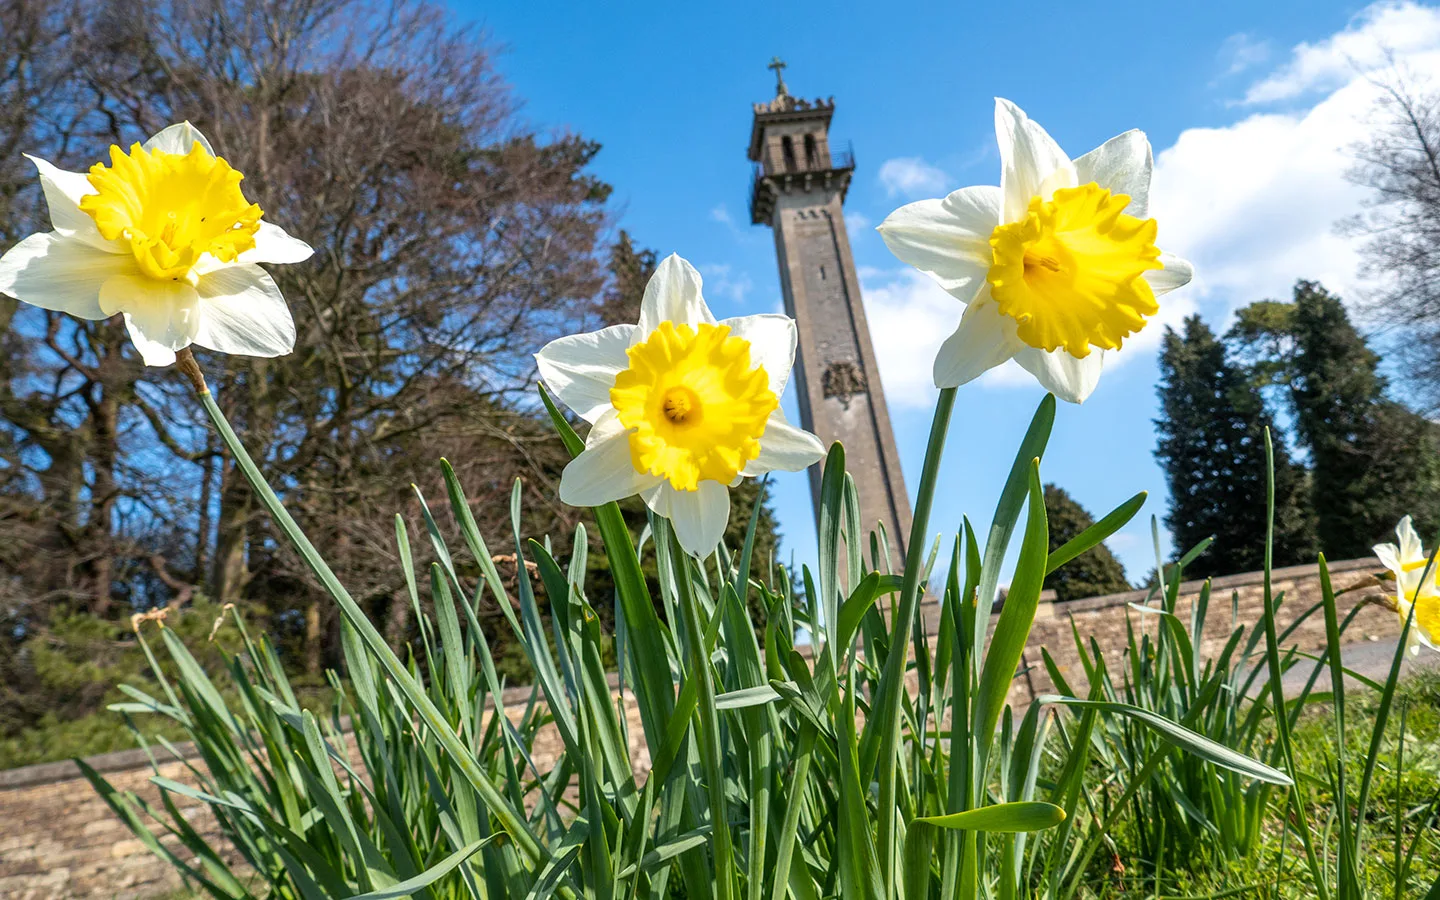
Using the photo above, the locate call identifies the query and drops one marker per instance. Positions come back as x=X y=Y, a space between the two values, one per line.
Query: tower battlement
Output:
x=784 y=103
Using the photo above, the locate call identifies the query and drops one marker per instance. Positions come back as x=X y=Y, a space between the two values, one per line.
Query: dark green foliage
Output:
x=1092 y=573
x=630 y=270
x=1372 y=460
x=1211 y=443
x=76 y=664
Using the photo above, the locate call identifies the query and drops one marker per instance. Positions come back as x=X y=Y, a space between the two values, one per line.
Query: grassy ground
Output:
x=1185 y=875
x=1123 y=874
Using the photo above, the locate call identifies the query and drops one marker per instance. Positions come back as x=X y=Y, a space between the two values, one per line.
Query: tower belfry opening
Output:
x=801 y=197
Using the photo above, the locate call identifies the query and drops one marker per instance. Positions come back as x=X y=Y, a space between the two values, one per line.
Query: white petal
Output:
x=699 y=517
x=605 y=427
x=1122 y=165
x=772 y=338
x=61 y=272
x=658 y=497
x=1031 y=163
x=242 y=312
x=179 y=139
x=1177 y=273
x=785 y=448
x=985 y=339
x=603 y=472
x=1389 y=556
x=274 y=245
x=672 y=295
x=1411 y=547
x=161 y=316
x=63 y=191
x=1067 y=377
x=580 y=369
x=949 y=239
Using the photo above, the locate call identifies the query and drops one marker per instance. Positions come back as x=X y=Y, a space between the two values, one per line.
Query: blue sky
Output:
x=1251 y=108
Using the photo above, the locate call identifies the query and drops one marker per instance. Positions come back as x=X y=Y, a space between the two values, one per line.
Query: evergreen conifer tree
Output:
x=1372 y=459
x=1212 y=447
x=1092 y=573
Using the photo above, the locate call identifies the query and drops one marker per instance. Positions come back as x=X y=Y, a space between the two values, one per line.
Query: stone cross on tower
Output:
x=778 y=65
x=798 y=190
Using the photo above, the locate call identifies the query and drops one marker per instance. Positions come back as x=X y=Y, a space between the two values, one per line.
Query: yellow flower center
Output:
x=1071 y=272
x=695 y=404
x=172 y=209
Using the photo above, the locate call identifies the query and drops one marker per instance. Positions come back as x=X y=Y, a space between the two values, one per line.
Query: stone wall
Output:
x=1234 y=599
x=58 y=839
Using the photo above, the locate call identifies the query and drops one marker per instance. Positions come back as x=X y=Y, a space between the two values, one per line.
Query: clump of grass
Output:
x=771 y=773
x=88 y=660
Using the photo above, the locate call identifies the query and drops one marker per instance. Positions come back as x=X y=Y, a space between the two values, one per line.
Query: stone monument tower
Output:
x=798 y=190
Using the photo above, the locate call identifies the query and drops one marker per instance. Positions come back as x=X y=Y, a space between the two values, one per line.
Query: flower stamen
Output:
x=681 y=406
x=1035 y=260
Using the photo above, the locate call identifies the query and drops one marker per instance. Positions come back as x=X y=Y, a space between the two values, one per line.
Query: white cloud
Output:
x=857 y=225
x=1242 y=51
x=1128 y=540
x=722 y=280
x=1254 y=204
x=911 y=176
x=720 y=214
x=1402 y=29
x=909 y=316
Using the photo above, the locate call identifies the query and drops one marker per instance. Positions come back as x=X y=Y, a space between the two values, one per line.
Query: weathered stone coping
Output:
x=1217 y=585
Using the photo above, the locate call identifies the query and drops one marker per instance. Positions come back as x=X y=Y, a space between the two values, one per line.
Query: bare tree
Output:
x=1399 y=162
x=452 y=240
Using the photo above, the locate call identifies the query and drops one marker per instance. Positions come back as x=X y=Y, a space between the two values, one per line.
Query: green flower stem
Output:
x=707 y=728
x=1277 y=687
x=800 y=783
x=512 y=821
x=899 y=657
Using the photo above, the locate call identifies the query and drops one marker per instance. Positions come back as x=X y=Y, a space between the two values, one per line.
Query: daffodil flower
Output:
x=1055 y=266
x=1408 y=562
x=681 y=406
x=164 y=236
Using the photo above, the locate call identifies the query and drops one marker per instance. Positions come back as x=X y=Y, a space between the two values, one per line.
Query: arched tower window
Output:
x=787 y=150
x=812 y=153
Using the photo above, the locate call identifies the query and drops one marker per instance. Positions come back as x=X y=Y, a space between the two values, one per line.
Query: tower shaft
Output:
x=799 y=189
